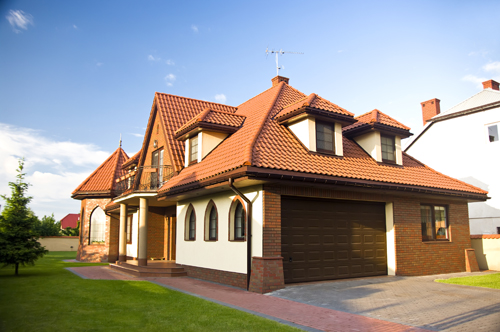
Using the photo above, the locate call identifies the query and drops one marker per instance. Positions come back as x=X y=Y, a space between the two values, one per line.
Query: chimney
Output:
x=430 y=108
x=490 y=85
x=277 y=79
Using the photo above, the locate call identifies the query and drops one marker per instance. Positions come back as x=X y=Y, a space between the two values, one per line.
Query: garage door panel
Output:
x=331 y=239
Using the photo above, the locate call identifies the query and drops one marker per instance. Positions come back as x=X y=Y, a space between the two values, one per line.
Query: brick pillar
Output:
x=471 y=261
x=122 y=237
x=142 y=254
x=267 y=271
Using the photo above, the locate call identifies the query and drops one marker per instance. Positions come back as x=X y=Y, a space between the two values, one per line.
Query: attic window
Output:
x=325 y=137
x=193 y=149
x=493 y=133
x=388 y=148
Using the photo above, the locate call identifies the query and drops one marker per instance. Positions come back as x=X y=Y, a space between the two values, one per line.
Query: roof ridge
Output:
x=228 y=113
x=463 y=102
x=205 y=101
x=119 y=150
x=250 y=147
x=254 y=97
x=94 y=172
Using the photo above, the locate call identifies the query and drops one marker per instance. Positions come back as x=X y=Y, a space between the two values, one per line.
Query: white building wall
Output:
x=459 y=147
x=132 y=248
x=222 y=254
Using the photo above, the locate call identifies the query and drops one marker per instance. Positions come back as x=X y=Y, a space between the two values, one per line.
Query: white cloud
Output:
x=492 y=67
x=221 y=98
x=170 y=62
x=194 y=28
x=137 y=135
x=75 y=27
x=170 y=78
x=19 y=20
x=54 y=168
x=474 y=79
x=99 y=64
x=153 y=58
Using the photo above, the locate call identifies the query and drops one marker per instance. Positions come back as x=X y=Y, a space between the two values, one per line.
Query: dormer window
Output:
x=325 y=137
x=193 y=149
x=388 y=148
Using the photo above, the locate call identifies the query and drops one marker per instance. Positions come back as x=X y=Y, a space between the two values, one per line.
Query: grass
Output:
x=47 y=297
x=487 y=281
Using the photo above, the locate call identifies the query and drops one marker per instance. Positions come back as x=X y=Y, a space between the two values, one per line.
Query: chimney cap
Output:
x=491 y=84
x=277 y=79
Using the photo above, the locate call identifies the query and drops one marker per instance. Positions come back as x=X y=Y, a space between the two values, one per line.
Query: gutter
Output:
x=249 y=230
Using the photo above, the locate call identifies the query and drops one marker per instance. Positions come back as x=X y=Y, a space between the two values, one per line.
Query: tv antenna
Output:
x=279 y=52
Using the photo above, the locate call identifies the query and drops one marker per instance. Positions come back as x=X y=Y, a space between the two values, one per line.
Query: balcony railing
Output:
x=145 y=178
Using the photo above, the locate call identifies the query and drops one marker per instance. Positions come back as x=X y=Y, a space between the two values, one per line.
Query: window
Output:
x=128 y=228
x=388 y=148
x=193 y=149
x=97 y=226
x=157 y=162
x=325 y=137
x=493 y=133
x=190 y=224
x=211 y=222
x=239 y=222
x=434 y=223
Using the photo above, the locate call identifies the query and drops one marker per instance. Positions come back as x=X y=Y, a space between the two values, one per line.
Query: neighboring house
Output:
x=71 y=220
x=284 y=188
x=464 y=142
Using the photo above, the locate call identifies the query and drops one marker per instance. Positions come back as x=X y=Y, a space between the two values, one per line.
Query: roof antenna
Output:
x=120 y=140
x=279 y=52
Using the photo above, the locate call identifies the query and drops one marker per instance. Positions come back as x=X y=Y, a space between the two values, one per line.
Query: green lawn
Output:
x=47 y=297
x=487 y=281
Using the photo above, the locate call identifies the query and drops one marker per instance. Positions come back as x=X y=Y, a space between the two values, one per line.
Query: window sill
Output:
x=237 y=240
x=389 y=163
x=437 y=242
x=211 y=240
x=326 y=153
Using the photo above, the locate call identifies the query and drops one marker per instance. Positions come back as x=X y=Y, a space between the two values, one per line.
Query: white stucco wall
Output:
x=370 y=142
x=305 y=130
x=459 y=147
x=222 y=254
x=132 y=248
x=210 y=140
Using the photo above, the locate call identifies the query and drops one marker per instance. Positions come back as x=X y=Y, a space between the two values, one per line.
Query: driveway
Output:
x=414 y=301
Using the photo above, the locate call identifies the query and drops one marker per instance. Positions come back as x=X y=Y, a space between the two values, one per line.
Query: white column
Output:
x=391 y=240
x=142 y=255
x=122 y=238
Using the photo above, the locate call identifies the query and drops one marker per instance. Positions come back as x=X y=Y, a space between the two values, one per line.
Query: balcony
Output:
x=145 y=179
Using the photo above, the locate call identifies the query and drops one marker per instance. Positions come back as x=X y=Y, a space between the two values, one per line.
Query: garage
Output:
x=332 y=239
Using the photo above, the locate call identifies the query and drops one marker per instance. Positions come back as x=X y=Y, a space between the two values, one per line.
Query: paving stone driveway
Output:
x=414 y=301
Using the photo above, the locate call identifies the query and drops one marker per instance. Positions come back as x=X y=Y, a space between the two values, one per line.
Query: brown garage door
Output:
x=332 y=239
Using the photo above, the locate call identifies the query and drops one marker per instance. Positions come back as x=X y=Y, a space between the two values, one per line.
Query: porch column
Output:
x=142 y=255
x=122 y=238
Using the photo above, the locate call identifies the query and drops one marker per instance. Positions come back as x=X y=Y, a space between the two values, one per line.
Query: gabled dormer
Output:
x=317 y=123
x=380 y=136
x=205 y=131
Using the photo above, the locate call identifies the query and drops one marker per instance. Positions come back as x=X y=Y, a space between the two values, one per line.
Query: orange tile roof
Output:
x=132 y=160
x=209 y=116
x=313 y=101
x=262 y=142
x=376 y=116
x=102 y=180
x=175 y=112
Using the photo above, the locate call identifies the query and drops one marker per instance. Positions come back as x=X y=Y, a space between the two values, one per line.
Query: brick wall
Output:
x=94 y=252
x=267 y=274
x=223 y=277
x=271 y=232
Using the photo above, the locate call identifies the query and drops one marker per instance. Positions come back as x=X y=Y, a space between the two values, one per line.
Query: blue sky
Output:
x=74 y=75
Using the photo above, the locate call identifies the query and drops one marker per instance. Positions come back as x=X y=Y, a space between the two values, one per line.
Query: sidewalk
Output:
x=301 y=315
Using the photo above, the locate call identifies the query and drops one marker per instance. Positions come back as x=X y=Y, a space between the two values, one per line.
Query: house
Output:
x=464 y=142
x=284 y=188
x=70 y=220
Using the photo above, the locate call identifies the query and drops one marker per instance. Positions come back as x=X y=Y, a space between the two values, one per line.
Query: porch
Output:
x=153 y=268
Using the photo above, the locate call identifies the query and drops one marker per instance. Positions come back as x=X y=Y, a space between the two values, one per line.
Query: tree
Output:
x=18 y=239
x=47 y=226
x=68 y=231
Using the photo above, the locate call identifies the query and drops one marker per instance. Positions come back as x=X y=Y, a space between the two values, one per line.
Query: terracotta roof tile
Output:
x=176 y=111
x=103 y=178
x=376 y=116
x=263 y=142
x=132 y=160
x=214 y=117
x=313 y=101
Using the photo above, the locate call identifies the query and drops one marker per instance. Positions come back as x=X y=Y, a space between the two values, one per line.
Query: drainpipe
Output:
x=249 y=230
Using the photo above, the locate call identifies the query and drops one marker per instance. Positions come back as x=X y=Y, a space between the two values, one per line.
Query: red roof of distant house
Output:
x=71 y=220
x=263 y=143
x=102 y=180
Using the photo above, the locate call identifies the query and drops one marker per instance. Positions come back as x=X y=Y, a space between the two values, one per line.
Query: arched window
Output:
x=211 y=222
x=190 y=228
x=97 y=226
x=239 y=222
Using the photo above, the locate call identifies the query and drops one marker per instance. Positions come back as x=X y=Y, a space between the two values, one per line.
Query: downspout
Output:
x=249 y=230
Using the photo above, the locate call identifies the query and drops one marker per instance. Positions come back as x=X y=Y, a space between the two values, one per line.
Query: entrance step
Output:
x=153 y=269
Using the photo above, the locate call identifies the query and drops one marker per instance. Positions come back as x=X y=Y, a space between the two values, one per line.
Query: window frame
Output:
x=92 y=237
x=232 y=221
x=242 y=235
x=393 y=139
x=332 y=126
x=193 y=160
x=490 y=137
x=207 y=222
x=187 y=224
x=434 y=237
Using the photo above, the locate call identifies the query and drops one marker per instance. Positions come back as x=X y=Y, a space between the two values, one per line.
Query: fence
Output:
x=487 y=248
